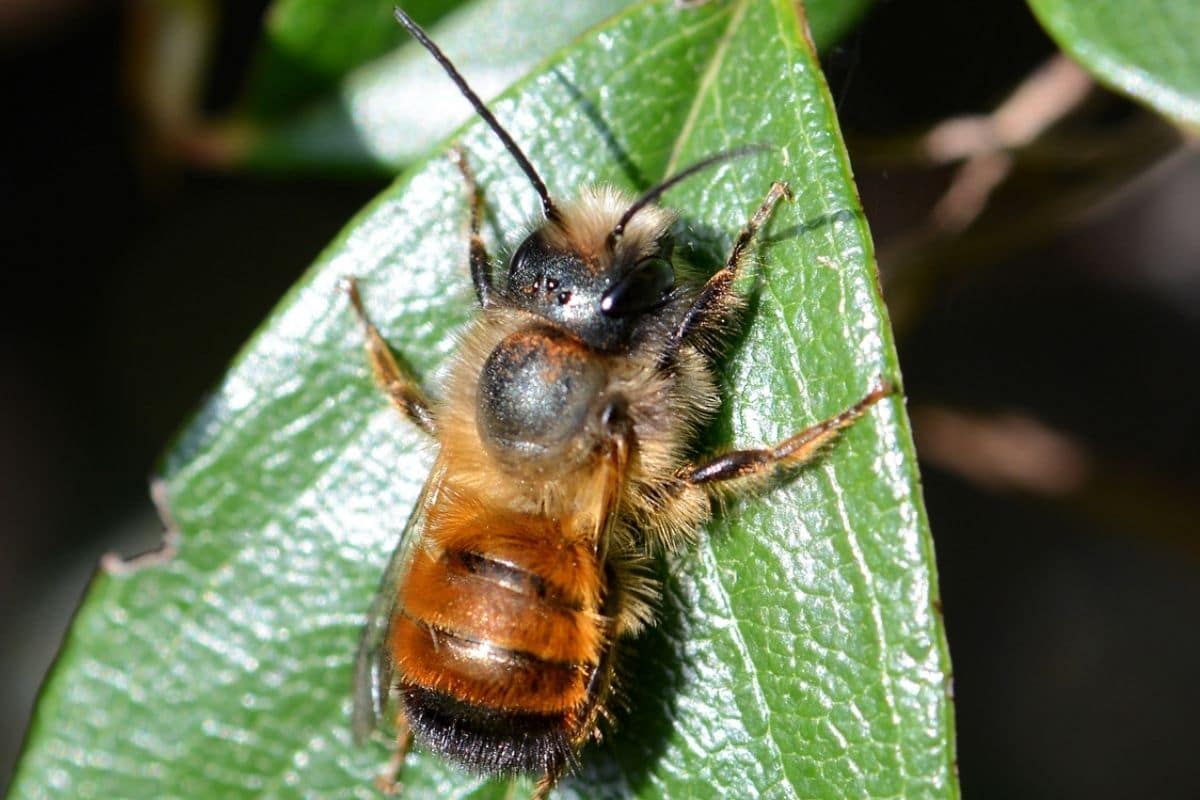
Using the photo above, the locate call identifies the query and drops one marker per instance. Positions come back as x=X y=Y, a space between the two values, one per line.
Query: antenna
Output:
x=657 y=191
x=548 y=206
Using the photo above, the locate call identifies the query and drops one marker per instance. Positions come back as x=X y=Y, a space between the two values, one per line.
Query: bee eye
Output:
x=642 y=289
x=524 y=255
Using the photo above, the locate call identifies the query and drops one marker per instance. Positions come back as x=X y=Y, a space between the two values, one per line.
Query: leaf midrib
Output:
x=704 y=88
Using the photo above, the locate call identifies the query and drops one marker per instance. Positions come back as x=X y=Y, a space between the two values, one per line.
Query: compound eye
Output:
x=644 y=288
x=525 y=255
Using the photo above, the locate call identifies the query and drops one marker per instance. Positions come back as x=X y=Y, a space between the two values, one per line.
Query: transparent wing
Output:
x=372 y=665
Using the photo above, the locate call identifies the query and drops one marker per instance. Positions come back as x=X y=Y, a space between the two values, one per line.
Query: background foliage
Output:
x=221 y=606
x=293 y=480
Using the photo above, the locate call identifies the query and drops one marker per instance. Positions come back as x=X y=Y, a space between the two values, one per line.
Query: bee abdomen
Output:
x=488 y=708
x=496 y=638
x=485 y=599
x=483 y=673
x=494 y=660
x=486 y=739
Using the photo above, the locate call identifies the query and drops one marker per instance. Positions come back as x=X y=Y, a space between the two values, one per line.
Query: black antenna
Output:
x=509 y=145
x=657 y=191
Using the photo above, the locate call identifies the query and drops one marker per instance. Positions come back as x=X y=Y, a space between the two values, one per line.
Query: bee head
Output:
x=572 y=272
x=598 y=267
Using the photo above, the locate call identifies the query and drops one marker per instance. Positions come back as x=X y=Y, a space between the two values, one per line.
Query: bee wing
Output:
x=372 y=664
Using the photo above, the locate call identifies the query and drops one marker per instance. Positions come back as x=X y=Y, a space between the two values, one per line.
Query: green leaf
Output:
x=830 y=20
x=1145 y=50
x=799 y=652
x=392 y=109
x=308 y=45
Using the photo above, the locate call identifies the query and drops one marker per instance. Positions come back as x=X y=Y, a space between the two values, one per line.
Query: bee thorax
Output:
x=537 y=391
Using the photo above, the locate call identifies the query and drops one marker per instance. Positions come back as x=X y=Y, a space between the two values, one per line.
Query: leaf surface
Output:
x=799 y=653
x=1145 y=50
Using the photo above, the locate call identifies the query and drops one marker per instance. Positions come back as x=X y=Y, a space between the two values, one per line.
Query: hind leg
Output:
x=388 y=780
x=546 y=783
x=791 y=452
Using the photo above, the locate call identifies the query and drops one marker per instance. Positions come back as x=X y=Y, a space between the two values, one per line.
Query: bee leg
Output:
x=387 y=781
x=401 y=388
x=716 y=301
x=599 y=686
x=791 y=452
x=546 y=783
x=481 y=267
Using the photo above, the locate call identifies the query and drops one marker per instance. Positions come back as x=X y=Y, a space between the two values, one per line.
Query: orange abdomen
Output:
x=496 y=637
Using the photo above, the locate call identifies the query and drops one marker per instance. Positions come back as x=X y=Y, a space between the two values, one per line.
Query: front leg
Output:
x=401 y=388
x=791 y=452
x=716 y=302
x=481 y=266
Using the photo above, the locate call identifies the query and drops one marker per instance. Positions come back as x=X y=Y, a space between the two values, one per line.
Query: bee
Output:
x=564 y=437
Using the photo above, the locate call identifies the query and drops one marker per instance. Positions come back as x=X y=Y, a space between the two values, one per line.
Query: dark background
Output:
x=1071 y=613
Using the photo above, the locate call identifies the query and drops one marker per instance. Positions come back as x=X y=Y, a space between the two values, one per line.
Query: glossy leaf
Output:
x=392 y=108
x=799 y=653
x=1146 y=50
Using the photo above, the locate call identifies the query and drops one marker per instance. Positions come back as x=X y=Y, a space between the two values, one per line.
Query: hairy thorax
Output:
x=529 y=408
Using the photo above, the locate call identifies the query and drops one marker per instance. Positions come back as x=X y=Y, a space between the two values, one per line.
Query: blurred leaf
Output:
x=390 y=111
x=1146 y=50
x=830 y=20
x=308 y=45
x=799 y=653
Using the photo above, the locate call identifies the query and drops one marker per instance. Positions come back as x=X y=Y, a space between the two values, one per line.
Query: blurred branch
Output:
x=1052 y=91
x=1042 y=156
x=23 y=21
x=1003 y=452
x=1015 y=453
x=984 y=143
x=169 y=44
